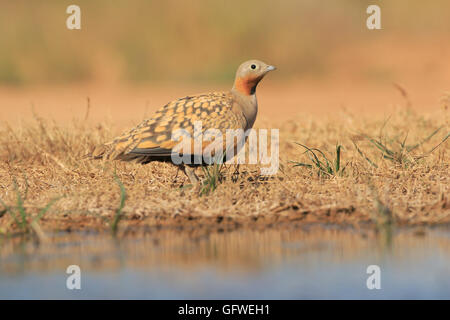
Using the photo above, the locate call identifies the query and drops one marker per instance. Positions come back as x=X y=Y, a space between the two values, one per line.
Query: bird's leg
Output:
x=176 y=176
x=190 y=173
x=235 y=175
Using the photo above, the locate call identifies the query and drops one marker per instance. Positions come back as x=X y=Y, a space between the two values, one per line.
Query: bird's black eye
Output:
x=253 y=66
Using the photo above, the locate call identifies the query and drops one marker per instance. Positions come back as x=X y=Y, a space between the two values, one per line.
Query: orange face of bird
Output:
x=249 y=74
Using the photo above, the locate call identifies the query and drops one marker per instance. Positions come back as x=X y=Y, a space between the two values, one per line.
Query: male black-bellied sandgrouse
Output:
x=152 y=139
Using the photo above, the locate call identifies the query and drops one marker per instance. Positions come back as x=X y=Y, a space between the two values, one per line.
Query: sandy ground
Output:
x=128 y=105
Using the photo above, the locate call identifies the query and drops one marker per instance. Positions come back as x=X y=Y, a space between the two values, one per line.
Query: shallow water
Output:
x=314 y=263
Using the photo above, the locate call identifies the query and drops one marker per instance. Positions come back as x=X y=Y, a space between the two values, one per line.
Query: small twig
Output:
x=56 y=160
x=38 y=231
x=88 y=108
x=404 y=94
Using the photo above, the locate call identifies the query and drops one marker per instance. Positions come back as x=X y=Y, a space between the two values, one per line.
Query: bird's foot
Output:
x=195 y=181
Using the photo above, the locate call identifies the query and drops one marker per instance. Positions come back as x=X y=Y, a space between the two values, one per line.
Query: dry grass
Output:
x=47 y=159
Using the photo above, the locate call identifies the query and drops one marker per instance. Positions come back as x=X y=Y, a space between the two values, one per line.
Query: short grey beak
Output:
x=270 y=68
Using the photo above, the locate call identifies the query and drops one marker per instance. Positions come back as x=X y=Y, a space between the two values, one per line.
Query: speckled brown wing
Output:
x=152 y=138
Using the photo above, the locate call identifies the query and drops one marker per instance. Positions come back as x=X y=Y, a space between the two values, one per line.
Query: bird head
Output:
x=249 y=74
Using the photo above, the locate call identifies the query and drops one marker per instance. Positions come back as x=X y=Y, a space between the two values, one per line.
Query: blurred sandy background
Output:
x=131 y=57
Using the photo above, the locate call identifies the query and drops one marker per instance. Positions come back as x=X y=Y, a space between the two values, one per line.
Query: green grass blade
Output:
x=381 y=147
x=316 y=160
x=11 y=212
x=413 y=147
x=443 y=140
x=402 y=144
x=299 y=164
x=45 y=209
x=327 y=167
x=364 y=156
x=338 y=158
x=20 y=206
x=118 y=214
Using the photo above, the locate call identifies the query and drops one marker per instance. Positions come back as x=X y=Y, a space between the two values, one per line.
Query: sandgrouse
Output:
x=152 y=139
